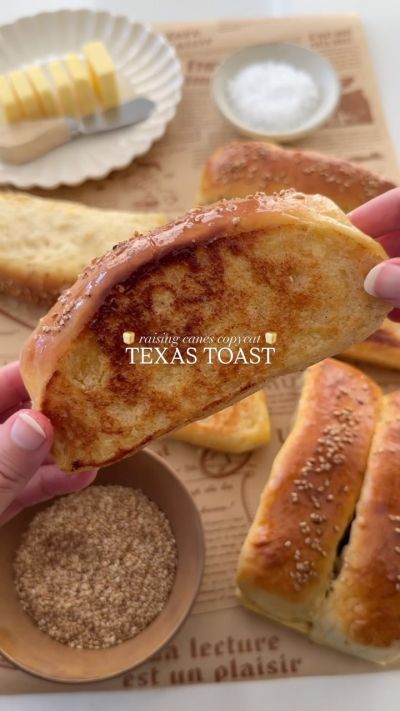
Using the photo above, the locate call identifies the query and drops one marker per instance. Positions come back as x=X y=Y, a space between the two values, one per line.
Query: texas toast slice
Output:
x=289 y=263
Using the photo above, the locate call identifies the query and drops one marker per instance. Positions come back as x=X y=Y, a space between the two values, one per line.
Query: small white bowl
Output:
x=307 y=60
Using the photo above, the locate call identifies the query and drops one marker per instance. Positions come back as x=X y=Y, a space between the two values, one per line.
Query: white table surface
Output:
x=369 y=692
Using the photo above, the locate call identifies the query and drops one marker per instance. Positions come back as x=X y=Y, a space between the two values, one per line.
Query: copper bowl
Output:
x=22 y=643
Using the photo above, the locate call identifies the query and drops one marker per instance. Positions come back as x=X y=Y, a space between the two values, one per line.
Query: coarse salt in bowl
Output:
x=277 y=91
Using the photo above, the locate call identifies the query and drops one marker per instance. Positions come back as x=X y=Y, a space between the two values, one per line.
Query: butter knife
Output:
x=23 y=142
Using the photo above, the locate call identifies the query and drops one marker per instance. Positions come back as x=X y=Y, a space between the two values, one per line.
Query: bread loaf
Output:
x=45 y=244
x=291 y=264
x=380 y=348
x=361 y=615
x=287 y=560
x=242 y=167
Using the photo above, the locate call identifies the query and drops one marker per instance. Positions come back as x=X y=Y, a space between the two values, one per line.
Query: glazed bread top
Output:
x=287 y=560
x=287 y=263
x=242 y=167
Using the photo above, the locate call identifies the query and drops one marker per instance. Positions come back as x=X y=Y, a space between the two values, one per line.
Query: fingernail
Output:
x=384 y=281
x=26 y=433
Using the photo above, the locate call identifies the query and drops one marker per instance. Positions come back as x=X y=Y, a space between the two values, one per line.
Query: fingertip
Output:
x=394 y=315
x=40 y=419
x=383 y=281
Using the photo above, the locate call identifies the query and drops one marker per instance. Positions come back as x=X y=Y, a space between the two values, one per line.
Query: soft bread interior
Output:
x=45 y=244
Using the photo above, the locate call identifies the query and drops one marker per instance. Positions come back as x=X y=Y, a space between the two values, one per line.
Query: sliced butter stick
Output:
x=83 y=88
x=287 y=559
x=102 y=73
x=10 y=107
x=64 y=89
x=26 y=95
x=361 y=616
x=43 y=91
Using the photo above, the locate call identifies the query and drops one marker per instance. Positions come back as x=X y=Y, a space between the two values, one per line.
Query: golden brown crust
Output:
x=236 y=429
x=380 y=348
x=287 y=559
x=365 y=602
x=243 y=167
x=239 y=267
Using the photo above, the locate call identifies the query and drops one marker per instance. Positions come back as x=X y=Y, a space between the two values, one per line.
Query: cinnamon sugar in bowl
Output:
x=94 y=583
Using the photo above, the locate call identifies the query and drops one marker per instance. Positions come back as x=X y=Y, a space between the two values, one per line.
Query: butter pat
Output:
x=102 y=73
x=26 y=95
x=10 y=108
x=84 y=91
x=43 y=91
x=64 y=88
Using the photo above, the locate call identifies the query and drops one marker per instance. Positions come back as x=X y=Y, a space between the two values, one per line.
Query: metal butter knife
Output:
x=23 y=142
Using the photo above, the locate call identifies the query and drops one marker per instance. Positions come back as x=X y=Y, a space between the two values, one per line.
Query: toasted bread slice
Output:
x=45 y=244
x=290 y=263
x=380 y=348
x=236 y=429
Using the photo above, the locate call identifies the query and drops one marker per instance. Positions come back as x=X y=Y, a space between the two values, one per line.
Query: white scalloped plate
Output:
x=145 y=61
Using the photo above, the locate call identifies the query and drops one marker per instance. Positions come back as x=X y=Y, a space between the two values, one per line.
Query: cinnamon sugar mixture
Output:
x=96 y=567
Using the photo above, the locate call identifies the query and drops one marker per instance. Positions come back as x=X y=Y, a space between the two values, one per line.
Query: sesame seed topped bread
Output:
x=288 y=557
x=380 y=348
x=361 y=615
x=236 y=429
x=45 y=244
x=289 y=263
x=242 y=167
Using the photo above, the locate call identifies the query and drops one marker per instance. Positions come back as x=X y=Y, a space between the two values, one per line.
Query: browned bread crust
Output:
x=362 y=613
x=242 y=167
x=380 y=348
x=288 y=263
x=287 y=559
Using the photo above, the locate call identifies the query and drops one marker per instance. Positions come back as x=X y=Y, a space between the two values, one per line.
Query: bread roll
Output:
x=288 y=263
x=361 y=616
x=236 y=429
x=380 y=348
x=45 y=244
x=287 y=560
x=242 y=167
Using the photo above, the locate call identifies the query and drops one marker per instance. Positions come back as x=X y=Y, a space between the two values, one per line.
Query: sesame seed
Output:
x=96 y=567
x=287 y=544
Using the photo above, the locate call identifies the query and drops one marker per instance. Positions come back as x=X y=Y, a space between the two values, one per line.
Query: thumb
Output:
x=384 y=281
x=25 y=441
